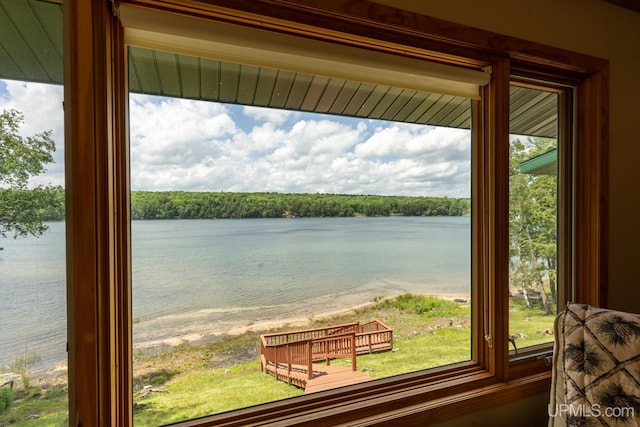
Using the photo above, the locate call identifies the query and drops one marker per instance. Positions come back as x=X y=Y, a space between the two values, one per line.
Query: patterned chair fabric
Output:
x=596 y=368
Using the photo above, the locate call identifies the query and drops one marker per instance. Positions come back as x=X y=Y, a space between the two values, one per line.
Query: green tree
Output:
x=22 y=210
x=533 y=223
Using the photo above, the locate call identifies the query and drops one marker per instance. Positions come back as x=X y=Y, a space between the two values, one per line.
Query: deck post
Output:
x=275 y=362
x=309 y=359
x=289 y=364
x=353 y=351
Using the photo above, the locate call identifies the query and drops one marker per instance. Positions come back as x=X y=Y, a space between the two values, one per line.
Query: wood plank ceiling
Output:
x=31 y=50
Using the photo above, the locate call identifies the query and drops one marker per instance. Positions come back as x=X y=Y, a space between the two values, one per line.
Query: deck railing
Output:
x=290 y=361
x=307 y=334
x=335 y=347
x=289 y=356
x=373 y=337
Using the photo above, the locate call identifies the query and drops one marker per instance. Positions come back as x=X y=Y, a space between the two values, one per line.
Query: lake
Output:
x=196 y=279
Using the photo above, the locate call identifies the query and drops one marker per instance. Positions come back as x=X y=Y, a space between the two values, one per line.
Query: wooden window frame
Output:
x=98 y=232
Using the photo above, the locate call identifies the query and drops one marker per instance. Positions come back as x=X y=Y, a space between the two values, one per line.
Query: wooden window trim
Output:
x=97 y=232
x=97 y=204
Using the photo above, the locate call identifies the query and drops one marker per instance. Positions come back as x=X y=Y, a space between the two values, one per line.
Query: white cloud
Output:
x=175 y=131
x=186 y=145
x=402 y=140
x=266 y=137
x=269 y=115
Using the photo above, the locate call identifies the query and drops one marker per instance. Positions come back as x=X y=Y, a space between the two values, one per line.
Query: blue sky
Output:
x=188 y=145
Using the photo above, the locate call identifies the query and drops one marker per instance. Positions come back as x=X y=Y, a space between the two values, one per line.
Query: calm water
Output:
x=33 y=297
x=196 y=278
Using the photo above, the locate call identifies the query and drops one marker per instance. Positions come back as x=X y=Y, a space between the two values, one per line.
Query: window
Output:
x=321 y=202
x=33 y=362
x=533 y=217
x=424 y=391
x=33 y=318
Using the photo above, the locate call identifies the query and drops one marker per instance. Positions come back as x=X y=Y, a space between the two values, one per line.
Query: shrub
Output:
x=425 y=305
x=6 y=398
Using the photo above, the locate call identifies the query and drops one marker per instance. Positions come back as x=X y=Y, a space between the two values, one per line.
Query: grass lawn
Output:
x=207 y=391
x=531 y=326
x=192 y=381
x=38 y=406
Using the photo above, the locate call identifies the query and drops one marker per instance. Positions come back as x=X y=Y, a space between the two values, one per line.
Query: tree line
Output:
x=219 y=205
x=47 y=204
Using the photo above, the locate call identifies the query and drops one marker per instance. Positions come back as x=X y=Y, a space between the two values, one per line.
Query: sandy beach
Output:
x=207 y=325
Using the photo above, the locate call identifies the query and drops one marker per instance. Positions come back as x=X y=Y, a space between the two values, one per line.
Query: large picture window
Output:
x=217 y=114
x=257 y=230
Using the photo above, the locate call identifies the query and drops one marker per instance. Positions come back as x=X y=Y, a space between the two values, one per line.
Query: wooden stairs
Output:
x=294 y=356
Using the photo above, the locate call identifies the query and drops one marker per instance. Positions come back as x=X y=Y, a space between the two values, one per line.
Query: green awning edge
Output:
x=544 y=164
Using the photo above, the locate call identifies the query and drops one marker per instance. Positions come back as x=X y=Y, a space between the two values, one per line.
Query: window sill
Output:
x=361 y=406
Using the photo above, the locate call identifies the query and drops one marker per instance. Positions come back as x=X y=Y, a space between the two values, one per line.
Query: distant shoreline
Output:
x=238 y=205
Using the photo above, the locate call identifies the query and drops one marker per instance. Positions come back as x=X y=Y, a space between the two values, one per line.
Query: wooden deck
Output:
x=292 y=356
x=333 y=377
x=323 y=378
